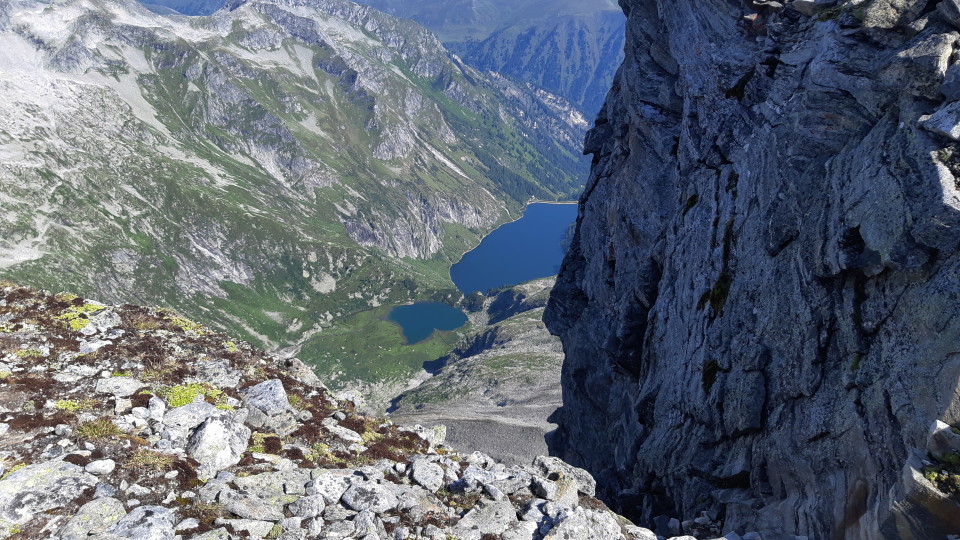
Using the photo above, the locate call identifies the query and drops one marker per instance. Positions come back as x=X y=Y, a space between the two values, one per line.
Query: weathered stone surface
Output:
x=118 y=386
x=252 y=527
x=942 y=440
x=330 y=484
x=369 y=496
x=765 y=270
x=41 y=487
x=101 y=467
x=488 y=517
x=217 y=444
x=945 y=122
x=308 y=507
x=188 y=416
x=583 y=524
x=269 y=397
x=556 y=469
x=252 y=508
x=216 y=534
x=95 y=517
x=146 y=523
x=427 y=474
x=275 y=485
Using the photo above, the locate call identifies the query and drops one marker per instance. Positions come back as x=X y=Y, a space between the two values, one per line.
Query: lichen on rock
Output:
x=155 y=457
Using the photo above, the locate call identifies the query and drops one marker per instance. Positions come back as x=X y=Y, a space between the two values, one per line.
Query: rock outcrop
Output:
x=494 y=392
x=760 y=307
x=136 y=423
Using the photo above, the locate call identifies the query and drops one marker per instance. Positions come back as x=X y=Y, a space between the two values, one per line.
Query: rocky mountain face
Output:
x=573 y=56
x=494 y=392
x=568 y=48
x=186 y=7
x=759 y=309
x=269 y=169
x=125 y=422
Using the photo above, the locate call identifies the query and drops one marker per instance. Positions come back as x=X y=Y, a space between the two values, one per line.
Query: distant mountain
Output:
x=574 y=56
x=185 y=7
x=462 y=20
x=565 y=47
x=273 y=169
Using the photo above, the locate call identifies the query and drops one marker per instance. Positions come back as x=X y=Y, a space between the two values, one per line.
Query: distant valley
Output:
x=285 y=170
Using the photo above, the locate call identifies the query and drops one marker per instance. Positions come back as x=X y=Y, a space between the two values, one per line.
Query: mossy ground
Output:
x=368 y=346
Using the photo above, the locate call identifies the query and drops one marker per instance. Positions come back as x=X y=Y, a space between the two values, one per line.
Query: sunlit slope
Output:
x=268 y=169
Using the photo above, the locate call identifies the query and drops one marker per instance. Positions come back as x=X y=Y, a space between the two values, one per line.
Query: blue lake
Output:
x=526 y=249
x=529 y=248
x=418 y=321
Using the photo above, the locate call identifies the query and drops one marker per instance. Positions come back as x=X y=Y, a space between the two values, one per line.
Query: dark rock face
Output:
x=760 y=306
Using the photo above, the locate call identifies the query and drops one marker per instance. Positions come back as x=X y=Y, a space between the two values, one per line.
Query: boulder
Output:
x=369 y=496
x=93 y=518
x=146 y=523
x=583 y=524
x=41 y=487
x=310 y=506
x=487 y=517
x=217 y=444
x=330 y=484
x=427 y=474
x=269 y=407
x=942 y=440
x=555 y=469
x=101 y=467
x=118 y=386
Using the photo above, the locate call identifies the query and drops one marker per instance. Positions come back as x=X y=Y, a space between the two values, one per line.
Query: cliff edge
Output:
x=760 y=307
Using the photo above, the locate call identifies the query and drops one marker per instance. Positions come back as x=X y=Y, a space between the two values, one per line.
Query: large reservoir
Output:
x=529 y=248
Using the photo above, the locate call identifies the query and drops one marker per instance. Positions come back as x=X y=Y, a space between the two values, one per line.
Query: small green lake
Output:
x=419 y=321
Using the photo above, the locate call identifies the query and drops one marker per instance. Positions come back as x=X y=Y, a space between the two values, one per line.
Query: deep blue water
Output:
x=526 y=249
x=418 y=321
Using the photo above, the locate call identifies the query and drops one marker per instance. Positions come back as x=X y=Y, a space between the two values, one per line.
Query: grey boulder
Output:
x=146 y=523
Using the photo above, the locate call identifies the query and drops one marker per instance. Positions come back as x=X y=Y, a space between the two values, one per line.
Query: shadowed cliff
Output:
x=759 y=306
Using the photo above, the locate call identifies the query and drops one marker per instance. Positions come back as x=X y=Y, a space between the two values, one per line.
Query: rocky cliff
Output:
x=760 y=306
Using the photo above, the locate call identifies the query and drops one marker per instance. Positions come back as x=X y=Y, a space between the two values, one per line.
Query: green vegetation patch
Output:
x=148 y=460
x=78 y=317
x=945 y=474
x=368 y=347
x=185 y=394
x=75 y=405
x=98 y=430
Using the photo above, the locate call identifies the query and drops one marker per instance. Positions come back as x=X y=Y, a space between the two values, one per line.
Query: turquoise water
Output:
x=418 y=321
x=526 y=249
